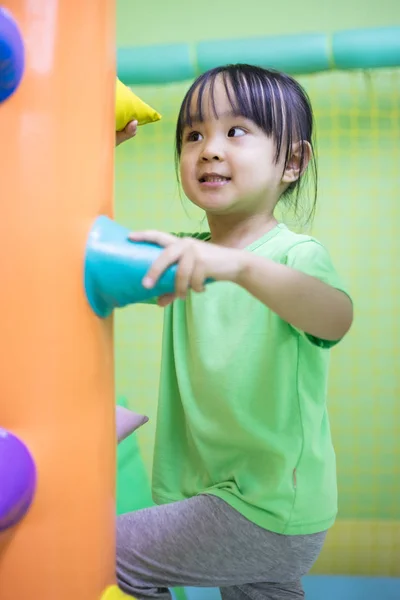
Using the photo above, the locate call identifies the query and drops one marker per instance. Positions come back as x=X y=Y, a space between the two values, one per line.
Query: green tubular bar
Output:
x=155 y=64
x=292 y=53
x=366 y=48
x=296 y=54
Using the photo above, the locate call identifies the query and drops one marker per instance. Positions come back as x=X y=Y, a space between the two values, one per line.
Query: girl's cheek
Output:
x=187 y=167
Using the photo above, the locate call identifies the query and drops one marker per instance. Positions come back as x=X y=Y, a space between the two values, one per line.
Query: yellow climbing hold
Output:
x=114 y=593
x=129 y=107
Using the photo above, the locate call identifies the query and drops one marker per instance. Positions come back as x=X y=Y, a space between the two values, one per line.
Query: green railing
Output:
x=295 y=54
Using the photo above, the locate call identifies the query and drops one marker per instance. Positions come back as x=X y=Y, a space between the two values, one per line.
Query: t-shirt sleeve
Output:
x=312 y=258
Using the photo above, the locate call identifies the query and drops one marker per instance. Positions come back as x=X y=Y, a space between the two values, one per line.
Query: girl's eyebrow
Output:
x=229 y=114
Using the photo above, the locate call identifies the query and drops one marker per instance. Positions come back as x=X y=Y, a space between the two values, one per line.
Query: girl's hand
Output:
x=127 y=133
x=197 y=261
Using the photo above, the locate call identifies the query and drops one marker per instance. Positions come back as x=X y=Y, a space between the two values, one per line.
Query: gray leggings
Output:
x=203 y=542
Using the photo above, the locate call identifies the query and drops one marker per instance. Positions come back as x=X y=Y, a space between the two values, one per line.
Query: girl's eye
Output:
x=194 y=136
x=236 y=132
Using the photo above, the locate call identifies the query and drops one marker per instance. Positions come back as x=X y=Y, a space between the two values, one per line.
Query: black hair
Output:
x=274 y=101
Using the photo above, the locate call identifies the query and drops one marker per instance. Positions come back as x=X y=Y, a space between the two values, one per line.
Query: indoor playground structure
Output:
x=67 y=265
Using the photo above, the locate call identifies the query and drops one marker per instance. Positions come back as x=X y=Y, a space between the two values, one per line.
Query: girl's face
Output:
x=227 y=162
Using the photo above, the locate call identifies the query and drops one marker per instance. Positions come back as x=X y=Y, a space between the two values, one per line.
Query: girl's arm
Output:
x=299 y=299
x=314 y=307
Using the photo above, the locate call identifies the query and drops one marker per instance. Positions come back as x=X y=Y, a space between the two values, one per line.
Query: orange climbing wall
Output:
x=56 y=381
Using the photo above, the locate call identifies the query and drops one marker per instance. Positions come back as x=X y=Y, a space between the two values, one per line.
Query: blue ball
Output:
x=12 y=55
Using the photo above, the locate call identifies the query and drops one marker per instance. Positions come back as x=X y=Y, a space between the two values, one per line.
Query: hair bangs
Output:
x=250 y=94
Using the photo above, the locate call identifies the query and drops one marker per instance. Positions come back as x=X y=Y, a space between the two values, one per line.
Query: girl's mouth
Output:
x=213 y=180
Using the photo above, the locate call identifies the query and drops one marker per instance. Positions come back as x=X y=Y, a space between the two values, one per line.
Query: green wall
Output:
x=163 y=21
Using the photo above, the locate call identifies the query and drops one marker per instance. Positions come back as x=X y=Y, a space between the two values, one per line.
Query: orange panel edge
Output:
x=57 y=381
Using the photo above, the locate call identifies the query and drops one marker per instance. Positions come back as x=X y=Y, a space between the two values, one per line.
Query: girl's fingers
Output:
x=127 y=133
x=153 y=237
x=166 y=299
x=176 y=251
x=131 y=128
x=198 y=277
x=184 y=273
x=166 y=259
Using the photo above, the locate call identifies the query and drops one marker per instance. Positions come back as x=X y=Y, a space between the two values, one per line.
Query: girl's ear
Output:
x=298 y=162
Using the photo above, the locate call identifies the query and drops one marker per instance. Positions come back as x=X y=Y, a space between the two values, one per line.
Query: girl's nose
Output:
x=212 y=149
x=211 y=152
x=208 y=157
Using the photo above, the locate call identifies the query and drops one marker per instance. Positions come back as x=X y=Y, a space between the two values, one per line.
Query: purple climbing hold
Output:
x=17 y=479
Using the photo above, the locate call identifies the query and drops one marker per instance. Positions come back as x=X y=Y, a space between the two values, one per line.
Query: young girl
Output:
x=244 y=467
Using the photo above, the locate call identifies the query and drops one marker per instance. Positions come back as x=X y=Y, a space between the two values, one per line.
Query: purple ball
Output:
x=17 y=479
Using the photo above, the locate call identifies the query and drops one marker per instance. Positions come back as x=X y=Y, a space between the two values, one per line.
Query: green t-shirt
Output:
x=242 y=409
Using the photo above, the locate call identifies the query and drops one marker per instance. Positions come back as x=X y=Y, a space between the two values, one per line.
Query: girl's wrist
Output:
x=243 y=267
